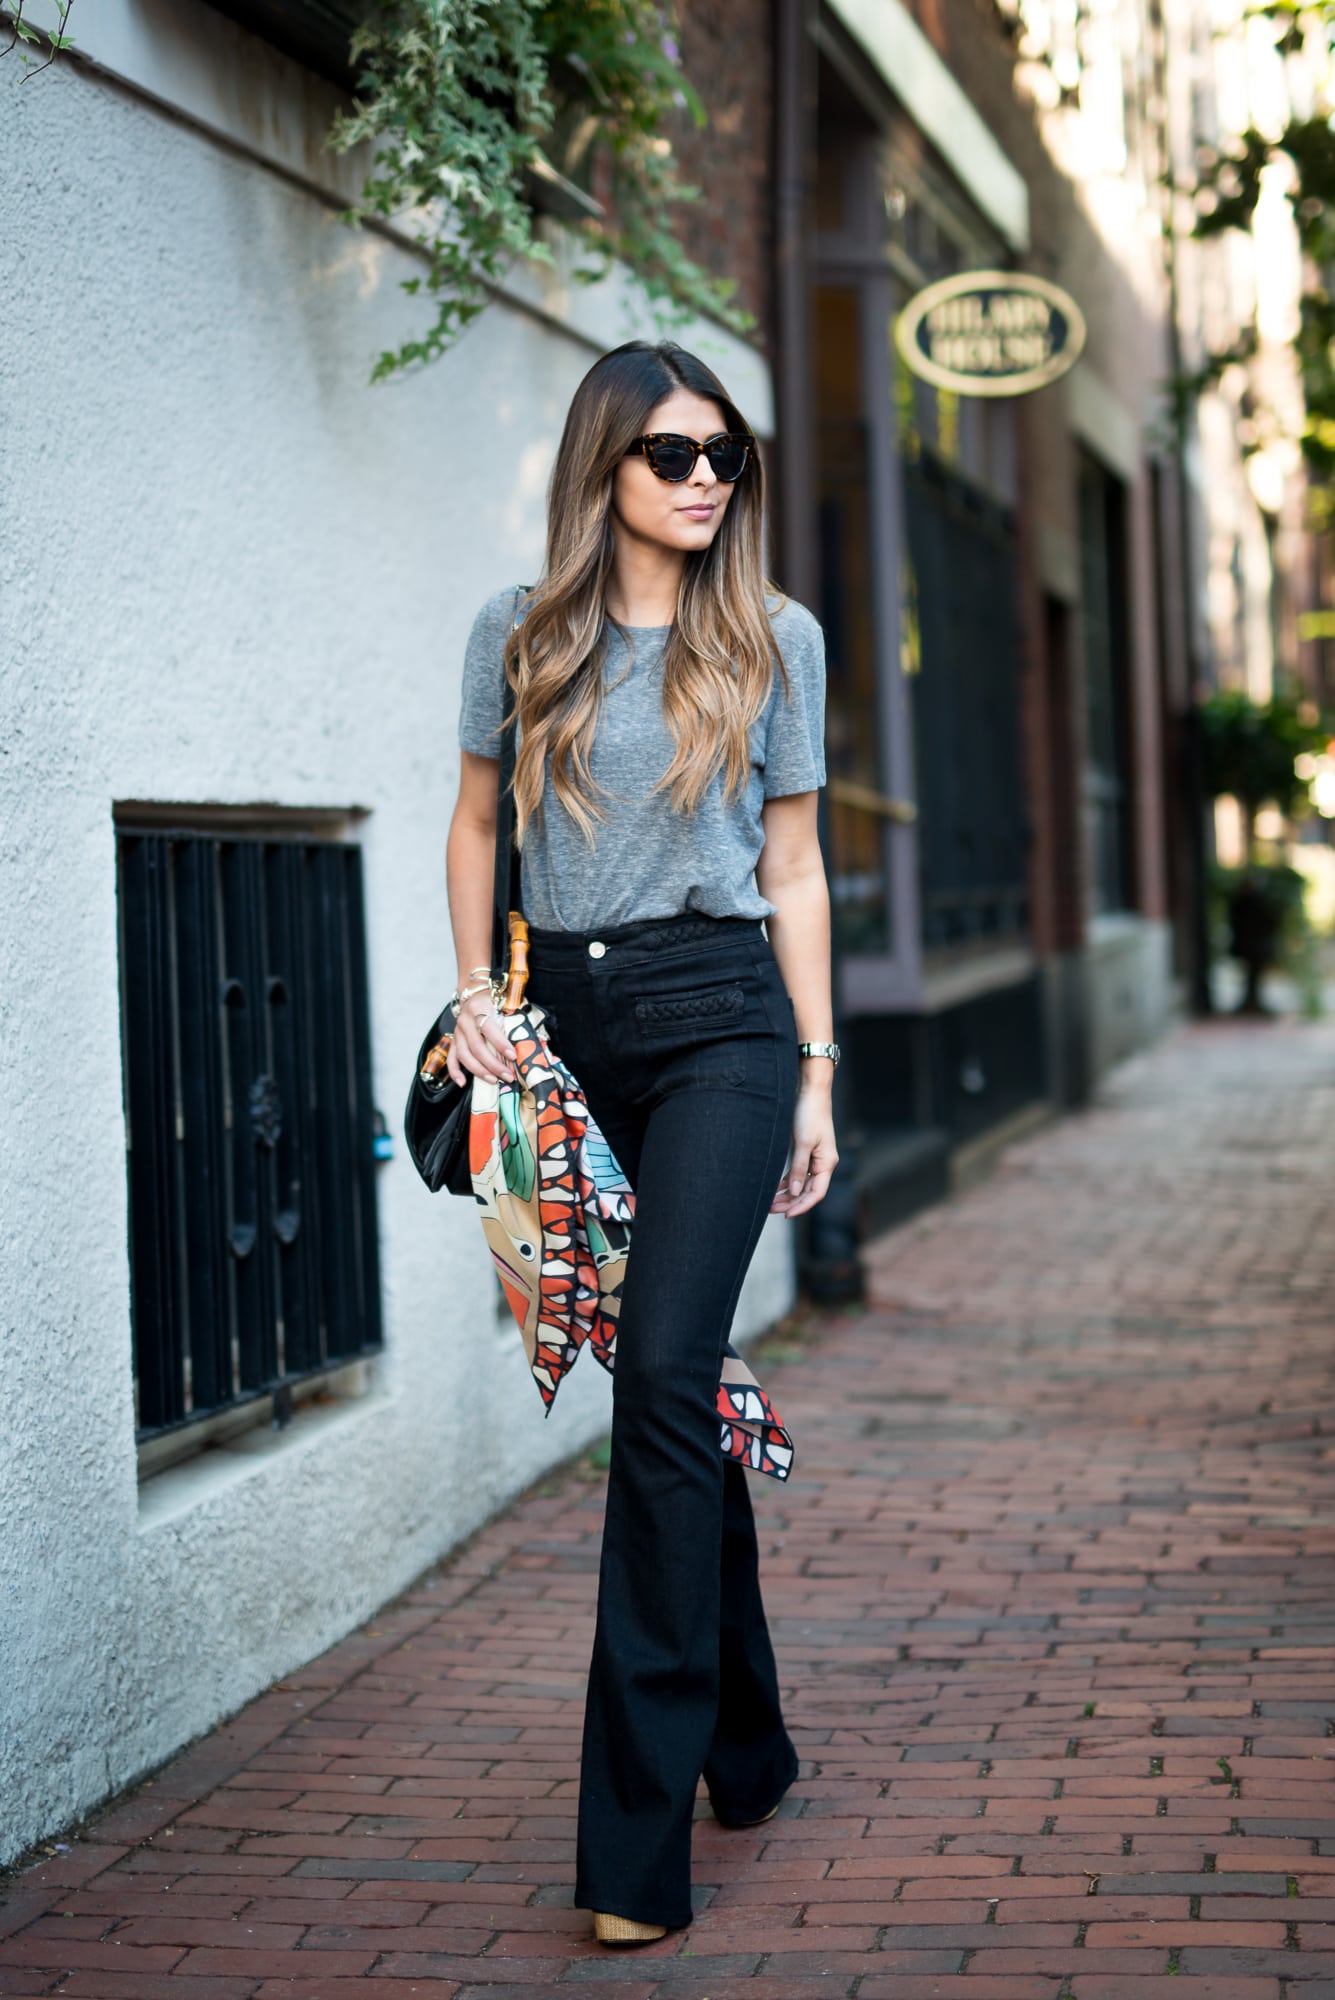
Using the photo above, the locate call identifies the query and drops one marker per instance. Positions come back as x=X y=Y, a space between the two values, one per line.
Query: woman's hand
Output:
x=791 y=875
x=814 y=1154
x=478 y=1043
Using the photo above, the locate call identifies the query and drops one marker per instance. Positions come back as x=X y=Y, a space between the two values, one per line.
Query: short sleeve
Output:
x=795 y=738
x=483 y=705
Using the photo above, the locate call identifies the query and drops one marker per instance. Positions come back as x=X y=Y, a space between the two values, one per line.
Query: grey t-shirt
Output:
x=650 y=860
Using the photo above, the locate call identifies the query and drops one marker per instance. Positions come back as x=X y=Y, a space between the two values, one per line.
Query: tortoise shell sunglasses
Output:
x=673 y=457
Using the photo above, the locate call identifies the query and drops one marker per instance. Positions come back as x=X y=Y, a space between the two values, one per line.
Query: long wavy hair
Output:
x=718 y=664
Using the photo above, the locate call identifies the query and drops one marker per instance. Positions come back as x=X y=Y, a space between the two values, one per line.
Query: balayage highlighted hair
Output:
x=718 y=664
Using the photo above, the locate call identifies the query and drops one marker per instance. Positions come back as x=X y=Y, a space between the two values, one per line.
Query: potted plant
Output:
x=1263 y=903
x=1250 y=750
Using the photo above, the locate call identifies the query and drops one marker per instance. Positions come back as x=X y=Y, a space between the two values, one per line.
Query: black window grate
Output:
x=250 y=1128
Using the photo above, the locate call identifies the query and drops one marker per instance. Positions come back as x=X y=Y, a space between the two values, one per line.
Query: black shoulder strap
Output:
x=505 y=883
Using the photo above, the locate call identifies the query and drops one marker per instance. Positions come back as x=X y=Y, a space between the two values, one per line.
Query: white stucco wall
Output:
x=230 y=571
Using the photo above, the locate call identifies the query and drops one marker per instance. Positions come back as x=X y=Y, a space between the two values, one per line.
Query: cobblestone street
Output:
x=1053 y=1590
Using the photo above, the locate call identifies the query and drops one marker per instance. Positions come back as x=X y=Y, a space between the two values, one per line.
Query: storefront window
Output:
x=846 y=514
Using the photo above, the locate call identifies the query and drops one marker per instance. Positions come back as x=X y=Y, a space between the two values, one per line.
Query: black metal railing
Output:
x=249 y=1123
x=972 y=814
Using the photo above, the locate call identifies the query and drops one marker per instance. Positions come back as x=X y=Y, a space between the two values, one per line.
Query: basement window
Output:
x=250 y=1130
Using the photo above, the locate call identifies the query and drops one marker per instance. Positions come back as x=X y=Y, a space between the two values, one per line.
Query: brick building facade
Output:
x=1011 y=633
x=727 y=53
x=854 y=151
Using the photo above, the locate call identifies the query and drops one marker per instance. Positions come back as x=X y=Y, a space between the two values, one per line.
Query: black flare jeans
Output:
x=682 y=1036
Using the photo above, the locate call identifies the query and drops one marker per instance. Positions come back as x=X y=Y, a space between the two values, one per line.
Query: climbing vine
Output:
x=24 y=36
x=465 y=103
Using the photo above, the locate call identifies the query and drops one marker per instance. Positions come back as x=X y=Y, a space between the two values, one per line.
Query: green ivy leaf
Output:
x=455 y=98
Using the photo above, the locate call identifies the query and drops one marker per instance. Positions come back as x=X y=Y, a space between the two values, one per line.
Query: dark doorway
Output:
x=1103 y=605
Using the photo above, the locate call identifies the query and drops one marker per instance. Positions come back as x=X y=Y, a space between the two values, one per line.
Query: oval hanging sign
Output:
x=991 y=333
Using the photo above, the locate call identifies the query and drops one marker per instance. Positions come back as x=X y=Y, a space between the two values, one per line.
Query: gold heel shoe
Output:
x=763 y=1817
x=624 y=1930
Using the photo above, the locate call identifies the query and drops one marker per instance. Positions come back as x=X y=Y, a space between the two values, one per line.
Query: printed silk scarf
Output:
x=557 y=1212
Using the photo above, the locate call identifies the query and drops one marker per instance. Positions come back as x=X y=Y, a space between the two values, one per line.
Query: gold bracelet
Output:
x=460 y=994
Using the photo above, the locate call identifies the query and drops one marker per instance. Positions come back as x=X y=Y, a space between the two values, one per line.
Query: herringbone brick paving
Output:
x=1053 y=1590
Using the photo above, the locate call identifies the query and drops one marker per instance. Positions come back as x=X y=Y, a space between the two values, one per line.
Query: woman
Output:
x=669 y=723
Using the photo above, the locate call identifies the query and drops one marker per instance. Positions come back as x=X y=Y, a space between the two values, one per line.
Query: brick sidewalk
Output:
x=1054 y=1595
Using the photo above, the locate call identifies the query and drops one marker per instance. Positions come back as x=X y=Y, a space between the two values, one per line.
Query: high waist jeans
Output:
x=681 y=1032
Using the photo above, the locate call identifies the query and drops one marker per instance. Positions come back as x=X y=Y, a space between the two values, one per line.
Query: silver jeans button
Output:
x=597 y=948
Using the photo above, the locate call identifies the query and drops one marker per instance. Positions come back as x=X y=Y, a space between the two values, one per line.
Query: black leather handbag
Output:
x=435 y=1123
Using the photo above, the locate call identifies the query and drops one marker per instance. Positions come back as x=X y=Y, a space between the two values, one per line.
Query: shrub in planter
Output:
x=1263 y=905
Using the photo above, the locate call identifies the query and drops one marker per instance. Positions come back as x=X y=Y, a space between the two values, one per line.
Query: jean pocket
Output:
x=707 y=1007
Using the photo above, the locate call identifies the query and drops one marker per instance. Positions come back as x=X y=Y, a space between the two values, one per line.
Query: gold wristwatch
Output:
x=830 y=1049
